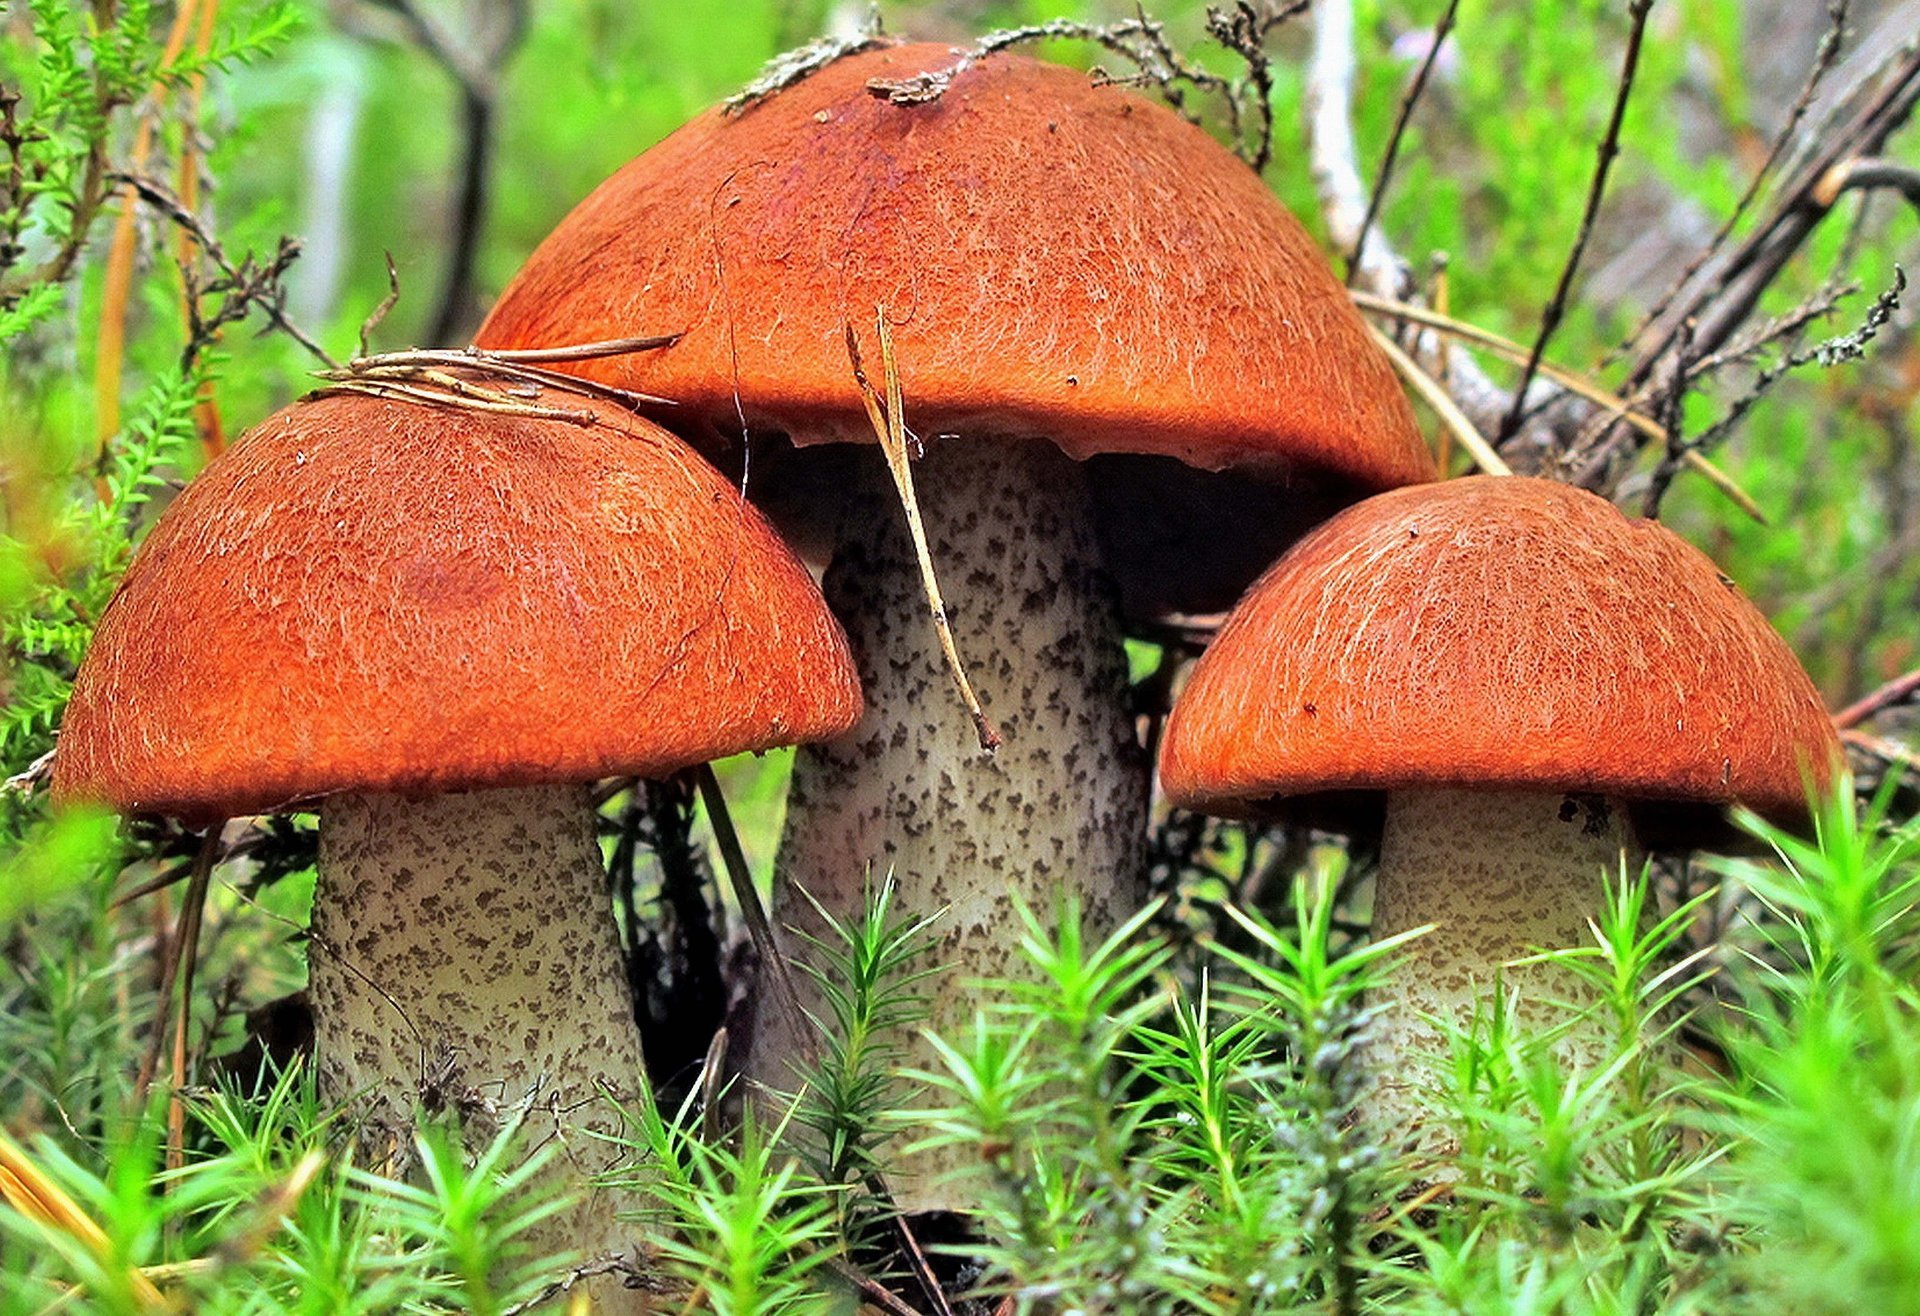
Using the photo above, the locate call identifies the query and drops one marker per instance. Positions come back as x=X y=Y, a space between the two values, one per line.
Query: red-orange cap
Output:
x=1501 y=632
x=1057 y=258
x=368 y=594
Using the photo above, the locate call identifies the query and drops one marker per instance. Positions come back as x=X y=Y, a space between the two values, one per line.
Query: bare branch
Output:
x=1867 y=173
x=1344 y=208
x=1831 y=352
x=790 y=67
x=475 y=65
x=271 y=300
x=1732 y=287
x=1900 y=690
x=1596 y=192
x=1384 y=178
x=888 y=416
x=1823 y=60
x=1443 y=405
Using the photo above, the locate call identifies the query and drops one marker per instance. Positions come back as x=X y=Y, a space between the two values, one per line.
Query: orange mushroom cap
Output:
x=1509 y=633
x=375 y=595
x=1056 y=257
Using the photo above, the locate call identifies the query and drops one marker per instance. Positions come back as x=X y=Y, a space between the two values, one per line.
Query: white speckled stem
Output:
x=1501 y=875
x=1060 y=807
x=464 y=958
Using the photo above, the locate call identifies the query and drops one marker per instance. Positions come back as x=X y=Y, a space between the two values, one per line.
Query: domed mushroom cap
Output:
x=375 y=595
x=1057 y=258
x=1503 y=632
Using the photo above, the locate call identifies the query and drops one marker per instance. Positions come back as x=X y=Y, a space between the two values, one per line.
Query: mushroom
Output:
x=1068 y=270
x=436 y=625
x=1529 y=676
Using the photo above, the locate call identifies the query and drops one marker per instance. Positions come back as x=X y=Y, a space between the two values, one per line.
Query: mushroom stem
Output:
x=464 y=959
x=1500 y=875
x=1059 y=807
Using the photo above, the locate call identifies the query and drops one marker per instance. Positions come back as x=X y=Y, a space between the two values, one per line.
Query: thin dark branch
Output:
x=1141 y=41
x=1823 y=61
x=1897 y=691
x=1868 y=173
x=1831 y=352
x=1384 y=178
x=565 y=1284
x=1751 y=268
x=206 y=856
x=160 y=198
x=1775 y=331
x=1672 y=416
x=1596 y=192
x=456 y=307
x=871 y=1289
x=773 y=965
x=475 y=66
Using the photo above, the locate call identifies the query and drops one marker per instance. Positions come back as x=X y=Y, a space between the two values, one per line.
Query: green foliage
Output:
x=1152 y=1127
x=272 y=1218
x=739 y=1223
x=867 y=974
x=1822 y=1113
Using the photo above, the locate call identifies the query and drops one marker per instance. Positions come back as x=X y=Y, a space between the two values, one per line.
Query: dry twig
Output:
x=1823 y=60
x=268 y=298
x=475 y=65
x=1897 y=691
x=1596 y=192
x=1458 y=424
x=773 y=964
x=1344 y=206
x=1612 y=403
x=500 y=382
x=30 y=1191
x=1383 y=179
x=889 y=424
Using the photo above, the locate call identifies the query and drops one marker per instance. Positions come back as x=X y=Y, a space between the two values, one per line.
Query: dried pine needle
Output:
x=889 y=424
x=28 y=1190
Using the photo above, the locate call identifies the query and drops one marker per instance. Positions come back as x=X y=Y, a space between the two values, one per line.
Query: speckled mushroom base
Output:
x=464 y=960
x=1500 y=875
x=1059 y=807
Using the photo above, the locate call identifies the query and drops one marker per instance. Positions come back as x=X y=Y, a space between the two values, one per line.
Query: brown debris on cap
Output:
x=1509 y=633
x=375 y=595
x=1058 y=258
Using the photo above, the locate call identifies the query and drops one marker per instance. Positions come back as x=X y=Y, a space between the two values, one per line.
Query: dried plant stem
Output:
x=1435 y=395
x=1443 y=350
x=186 y=951
x=773 y=965
x=1574 y=383
x=511 y=380
x=118 y=283
x=158 y=196
x=1384 y=178
x=1596 y=192
x=473 y=399
x=890 y=426
x=573 y=351
x=1823 y=60
x=28 y=1190
x=1328 y=103
x=1897 y=691
x=206 y=412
